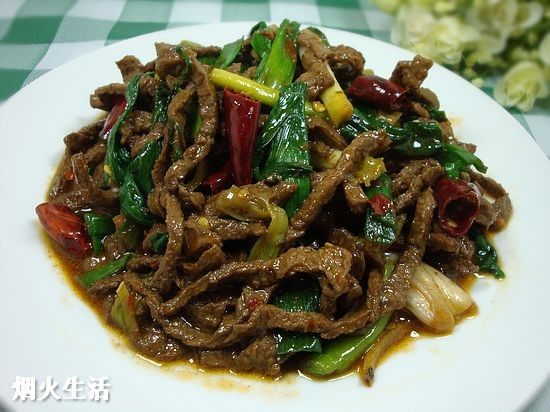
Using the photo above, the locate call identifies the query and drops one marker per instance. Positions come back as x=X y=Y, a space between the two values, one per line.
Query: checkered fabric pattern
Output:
x=39 y=35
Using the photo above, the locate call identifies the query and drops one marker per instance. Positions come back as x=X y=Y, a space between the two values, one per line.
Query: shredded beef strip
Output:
x=326 y=132
x=164 y=275
x=317 y=79
x=356 y=198
x=352 y=156
x=129 y=66
x=396 y=286
x=428 y=174
x=332 y=264
x=208 y=111
x=411 y=74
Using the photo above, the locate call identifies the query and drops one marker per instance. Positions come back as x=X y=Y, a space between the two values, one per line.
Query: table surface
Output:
x=39 y=35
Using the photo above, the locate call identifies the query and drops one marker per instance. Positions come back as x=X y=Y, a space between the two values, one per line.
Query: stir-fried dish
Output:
x=273 y=200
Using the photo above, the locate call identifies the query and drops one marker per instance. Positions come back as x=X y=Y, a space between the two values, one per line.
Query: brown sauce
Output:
x=71 y=269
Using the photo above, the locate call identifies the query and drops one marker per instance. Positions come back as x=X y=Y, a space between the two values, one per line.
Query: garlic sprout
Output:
x=435 y=299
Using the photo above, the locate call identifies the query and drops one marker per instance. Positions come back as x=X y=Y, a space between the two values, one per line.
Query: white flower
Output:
x=411 y=26
x=494 y=15
x=544 y=50
x=486 y=47
x=521 y=86
x=443 y=40
x=528 y=14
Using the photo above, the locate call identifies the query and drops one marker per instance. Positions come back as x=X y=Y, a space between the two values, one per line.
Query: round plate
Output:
x=495 y=361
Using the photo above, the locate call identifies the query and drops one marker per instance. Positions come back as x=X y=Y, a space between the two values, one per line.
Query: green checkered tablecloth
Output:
x=39 y=35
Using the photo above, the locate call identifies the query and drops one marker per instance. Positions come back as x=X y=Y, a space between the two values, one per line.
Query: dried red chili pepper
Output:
x=377 y=91
x=458 y=204
x=65 y=227
x=241 y=127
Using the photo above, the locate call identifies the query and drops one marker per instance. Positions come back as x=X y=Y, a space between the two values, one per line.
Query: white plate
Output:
x=493 y=362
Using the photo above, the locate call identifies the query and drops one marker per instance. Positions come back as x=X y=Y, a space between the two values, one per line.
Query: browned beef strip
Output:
x=411 y=74
x=330 y=263
x=208 y=111
x=107 y=285
x=341 y=237
x=356 y=198
x=260 y=356
x=105 y=97
x=137 y=122
x=346 y=62
x=87 y=192
x=326 y=132
x=395 y=288
x=198 y=237
x=129 y=66
x=115 y=246
x=486 y=215
x=204 y=51
x=143 y=264
x=164 y=275
x=210 y=259
x=169 y=61
x=490 y=186
x=317 y=79
x=442 y=242
x=431 y=171
x=502 y=206
x=352 y=156
x=503 y=212
x=427 y=96
x=206 y=316
x=228 y=229
x=84 y=138
x=153 y=342
x=311 y=48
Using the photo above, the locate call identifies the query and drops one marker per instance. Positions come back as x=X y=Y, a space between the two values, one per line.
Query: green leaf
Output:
x=117 y=156
x=286 y=131
x=142 y=166
x=160 y=107
x=158 y=242
x=456 y=159
x=380 y=228
x=228 y=54
x=299 y=195
x=423 y=139
x=485 y=255
x=364 y=120
x=132 y=203
x=186 y=62
x=276 y=69
x=101 y=272
x=340 y=354
x=320 y=34
x=435 y=114
x=261 y=25
x=298 y=295
x=98 y=227
x=261 y=44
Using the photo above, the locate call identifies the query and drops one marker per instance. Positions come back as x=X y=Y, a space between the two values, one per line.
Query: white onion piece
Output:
x=435 y=299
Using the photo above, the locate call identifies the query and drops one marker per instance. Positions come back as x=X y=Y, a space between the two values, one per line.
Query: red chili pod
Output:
x=457 y=205
x=219 y=180
x=65 y=227
x=377 y=91
x=241 y=115
x=380 y=204
x=114 y=114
